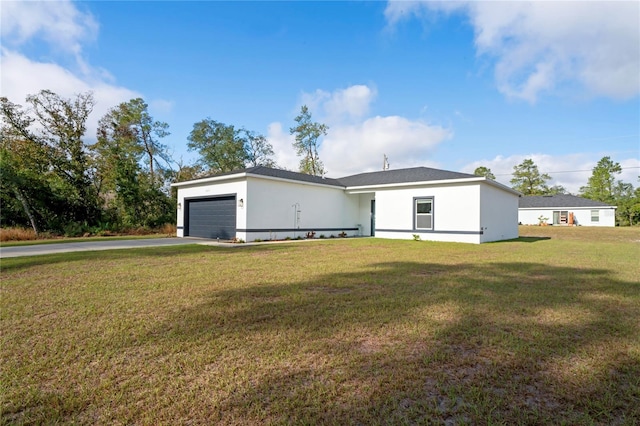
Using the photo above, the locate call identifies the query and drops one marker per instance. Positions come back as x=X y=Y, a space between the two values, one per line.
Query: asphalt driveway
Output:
x=34 y=250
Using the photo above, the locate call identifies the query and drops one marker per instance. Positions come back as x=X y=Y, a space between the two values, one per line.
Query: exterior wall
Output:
x=237 y=187
x=462 y=212
x=456 y=213
x=364 y=211
x=582 y=215
x=270 y=212
x=530 y=216
x=498 y=214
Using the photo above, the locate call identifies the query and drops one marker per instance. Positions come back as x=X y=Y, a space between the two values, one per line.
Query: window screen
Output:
x=424 y=213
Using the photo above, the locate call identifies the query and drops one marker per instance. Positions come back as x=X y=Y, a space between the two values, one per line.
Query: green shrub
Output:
x=74 y=229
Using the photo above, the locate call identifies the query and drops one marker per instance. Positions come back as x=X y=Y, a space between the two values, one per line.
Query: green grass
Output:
x=81 y=240
x=540 y=330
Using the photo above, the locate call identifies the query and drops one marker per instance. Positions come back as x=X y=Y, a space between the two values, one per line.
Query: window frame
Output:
x=595 y=216
x=560 y=215
x=431 y=200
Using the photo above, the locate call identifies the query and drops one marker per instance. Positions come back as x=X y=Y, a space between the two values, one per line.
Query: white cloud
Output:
x=342 y=104
x=22 y=77
x=572 y=171
x=538 y=46
x=352 y=102
x=630 y=171
x=281 y=141
x=356 y=143
x=60 y=24
x=63 y=29
x=360 y=147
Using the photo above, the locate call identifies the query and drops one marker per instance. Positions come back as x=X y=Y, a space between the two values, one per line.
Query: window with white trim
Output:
x=595 y=215
x=423 y=211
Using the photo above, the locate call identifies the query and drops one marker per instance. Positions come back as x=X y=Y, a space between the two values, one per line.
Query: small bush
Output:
x=342 y=234
x=257 y=240
x=416 y=237
x=322 y=236
x=74 y=229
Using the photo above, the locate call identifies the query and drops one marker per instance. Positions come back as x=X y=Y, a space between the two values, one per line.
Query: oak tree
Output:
x=258 y=150
x=52 y=130
x=221 y=147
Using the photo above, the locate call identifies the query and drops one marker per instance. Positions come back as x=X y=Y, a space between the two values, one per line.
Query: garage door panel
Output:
x=212 y=218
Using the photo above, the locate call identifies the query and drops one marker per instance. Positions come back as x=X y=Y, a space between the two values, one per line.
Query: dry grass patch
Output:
x=17 y=234
x=356 y=331
x=583 y=233
x=22 y=236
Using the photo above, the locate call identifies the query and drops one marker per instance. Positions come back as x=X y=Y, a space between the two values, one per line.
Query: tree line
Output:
x=601 y=186
x=52 y=179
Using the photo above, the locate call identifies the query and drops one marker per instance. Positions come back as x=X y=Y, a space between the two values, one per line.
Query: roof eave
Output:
x=302 y=182
x=365 y=188
x=243 y=175
x=209 y=179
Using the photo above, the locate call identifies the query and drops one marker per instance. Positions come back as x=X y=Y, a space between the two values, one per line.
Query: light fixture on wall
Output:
x=240 y=202
x=179 y=206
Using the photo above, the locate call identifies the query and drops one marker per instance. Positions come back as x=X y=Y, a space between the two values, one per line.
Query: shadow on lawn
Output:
x=416 y=342
x=521 y=240
x=11 y=264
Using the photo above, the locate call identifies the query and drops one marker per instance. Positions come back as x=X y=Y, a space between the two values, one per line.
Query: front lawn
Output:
x=541 y=330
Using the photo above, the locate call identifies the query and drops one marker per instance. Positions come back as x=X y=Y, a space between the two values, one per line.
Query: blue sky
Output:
x=439 y=84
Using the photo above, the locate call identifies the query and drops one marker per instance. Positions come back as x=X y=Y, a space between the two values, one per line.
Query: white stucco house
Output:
x=265 y=203
x=565 y=210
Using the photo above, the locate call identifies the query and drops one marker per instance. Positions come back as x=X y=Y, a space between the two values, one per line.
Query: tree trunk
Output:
x=25 y=206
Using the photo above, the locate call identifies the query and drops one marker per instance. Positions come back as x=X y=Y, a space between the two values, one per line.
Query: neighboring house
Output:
x=565 y=210
x=264 y=203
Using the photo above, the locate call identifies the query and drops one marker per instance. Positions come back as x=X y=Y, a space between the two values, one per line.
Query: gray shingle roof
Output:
x=563 y=200
x=286 y=174
x=416 y=174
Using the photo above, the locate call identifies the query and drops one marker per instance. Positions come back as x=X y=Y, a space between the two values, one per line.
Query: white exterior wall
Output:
x=364 y=211
x=238 y=187
x=456 y=212
x=530 y=216
x=270 y=212
x=582 y=215
x=498 y=214
x=471 y=212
